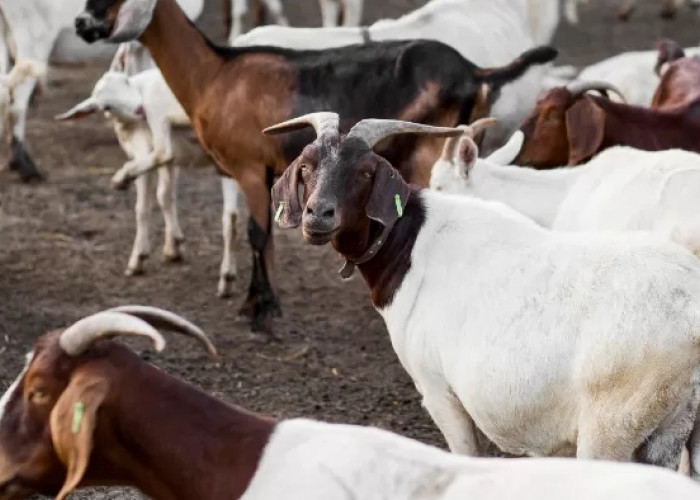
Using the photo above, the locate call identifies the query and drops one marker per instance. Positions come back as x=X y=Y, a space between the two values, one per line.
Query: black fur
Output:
x=23 y=163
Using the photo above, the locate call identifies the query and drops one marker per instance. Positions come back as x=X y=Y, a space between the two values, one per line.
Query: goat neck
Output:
x=384 y=272
x=181 y=52
x=173 y=441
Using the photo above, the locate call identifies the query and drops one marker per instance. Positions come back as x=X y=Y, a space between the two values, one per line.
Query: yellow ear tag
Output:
x=278 y=214
x=399 y=207
x=78 y=411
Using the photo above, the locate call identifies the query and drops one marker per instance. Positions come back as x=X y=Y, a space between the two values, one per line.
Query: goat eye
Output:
x=366 y=174
x=38 y=396
x=304 y=167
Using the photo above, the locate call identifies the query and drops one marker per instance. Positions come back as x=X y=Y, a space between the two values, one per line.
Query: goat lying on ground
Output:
x=144 y=110
x=541 y=342
x=568 y=126
x=488 y=33
x=87 y=411
x=229 y=92
x=620 y=189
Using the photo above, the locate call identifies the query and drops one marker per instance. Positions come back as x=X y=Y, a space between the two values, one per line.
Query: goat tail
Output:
x=24 y=69
x=497 y=77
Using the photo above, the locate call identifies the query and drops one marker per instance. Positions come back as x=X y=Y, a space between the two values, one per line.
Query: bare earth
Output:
x=64 y=246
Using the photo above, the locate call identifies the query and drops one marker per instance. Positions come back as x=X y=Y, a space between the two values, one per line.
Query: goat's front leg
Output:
x=455 y=424
x=352 y=12
x=330 y=13
x=167 y=200
x=262 y=302
x=239 y=8
x=274 y=7
x=142 y=244
x=229 y=219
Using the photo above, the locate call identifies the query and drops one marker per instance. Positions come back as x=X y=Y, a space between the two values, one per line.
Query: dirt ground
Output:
x=64 y=246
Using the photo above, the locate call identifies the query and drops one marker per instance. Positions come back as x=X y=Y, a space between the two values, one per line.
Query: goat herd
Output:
x=539 y=311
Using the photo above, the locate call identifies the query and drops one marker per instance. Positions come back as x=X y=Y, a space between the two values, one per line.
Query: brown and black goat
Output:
x=89 y=411
x=680 y=76
x=568 y=126
x=230 y=94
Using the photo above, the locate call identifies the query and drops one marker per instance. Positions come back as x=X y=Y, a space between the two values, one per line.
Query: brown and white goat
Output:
x=232 y=93
x=87 y=411
x=680 y=76
x=568 y=126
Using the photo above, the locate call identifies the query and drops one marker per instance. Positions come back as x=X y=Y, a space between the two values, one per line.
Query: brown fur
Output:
x=140 y=427
x=679 y=85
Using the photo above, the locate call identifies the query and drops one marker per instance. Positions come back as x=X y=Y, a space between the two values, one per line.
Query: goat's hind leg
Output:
x=142 y=210
x=167 y=200
x=229 y=218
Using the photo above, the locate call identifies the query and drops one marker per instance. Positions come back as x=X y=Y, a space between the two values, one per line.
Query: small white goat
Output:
x=143 y=111
x=620 y=189
x=488 y=34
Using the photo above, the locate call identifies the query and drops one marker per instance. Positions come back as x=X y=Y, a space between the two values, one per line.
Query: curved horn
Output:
x=160 y=318
x=475 y=128
x=324 y=123
x=373 y=130
x=578 y=88
x=80 y=335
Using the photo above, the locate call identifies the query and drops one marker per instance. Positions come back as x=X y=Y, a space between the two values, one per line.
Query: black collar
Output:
x=349 y=267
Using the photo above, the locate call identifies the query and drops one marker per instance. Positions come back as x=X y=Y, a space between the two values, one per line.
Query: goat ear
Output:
x=585 y=124
x=73 y=421
x=85 y=108
x=466 y=156
x=383 y=204
x=286 y=199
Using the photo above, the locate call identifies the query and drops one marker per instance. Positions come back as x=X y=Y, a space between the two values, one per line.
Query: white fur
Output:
x=23 y=70
x=239 y=9
x=631 y=72
x=144 y=110
x=620 y=189
x=320 y=461
x=489 y=33
x=10 y=390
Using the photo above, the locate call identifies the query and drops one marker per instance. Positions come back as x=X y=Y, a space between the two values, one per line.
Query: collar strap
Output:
x=349 y=267
x=366 y=39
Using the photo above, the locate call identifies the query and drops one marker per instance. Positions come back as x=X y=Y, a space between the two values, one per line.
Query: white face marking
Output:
x=10 y=390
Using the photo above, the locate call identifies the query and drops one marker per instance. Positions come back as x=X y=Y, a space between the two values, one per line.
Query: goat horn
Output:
x=324 y=123
x=80 y=335
x=373 y=130
x=160 y=318
x=578 y=88
x=475 y=128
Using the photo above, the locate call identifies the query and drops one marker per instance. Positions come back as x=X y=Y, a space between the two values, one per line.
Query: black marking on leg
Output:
x=23 y=163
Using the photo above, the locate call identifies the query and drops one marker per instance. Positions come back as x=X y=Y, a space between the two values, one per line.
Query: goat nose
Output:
x=322 y=210
x=85 y=21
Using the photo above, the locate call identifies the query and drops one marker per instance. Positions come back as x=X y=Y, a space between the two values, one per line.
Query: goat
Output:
x=568 y=126
x=236 y=10
x=30 y=29
x=488 y=33
x=632 y=73
x=620 y=189
x=143 y=111
x=679 y=77
x=540 y=342
x=229 y=92
x=86 y=411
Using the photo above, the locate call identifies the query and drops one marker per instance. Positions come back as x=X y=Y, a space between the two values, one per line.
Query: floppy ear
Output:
x=286 y=201
x=85 y=108
x=466 y=156
x=585 y=125
x=73 y=421
x=382 y=205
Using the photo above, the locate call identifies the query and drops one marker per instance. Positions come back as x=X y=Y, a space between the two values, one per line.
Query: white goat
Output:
x=631 y=72
x=319 y=461
x=489 y=34
x=30 y=29
x=620 y=189
x=541 y=342
x=143 y=111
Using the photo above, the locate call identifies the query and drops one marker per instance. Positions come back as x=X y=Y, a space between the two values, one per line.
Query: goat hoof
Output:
x=136 y=271
x=23 y=163
x=225 y=288
x=172 y=256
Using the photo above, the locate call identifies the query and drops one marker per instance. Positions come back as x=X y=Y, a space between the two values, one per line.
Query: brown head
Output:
x=566 y=127
x=339 y=187
x=50 y=415
x=115 y=21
